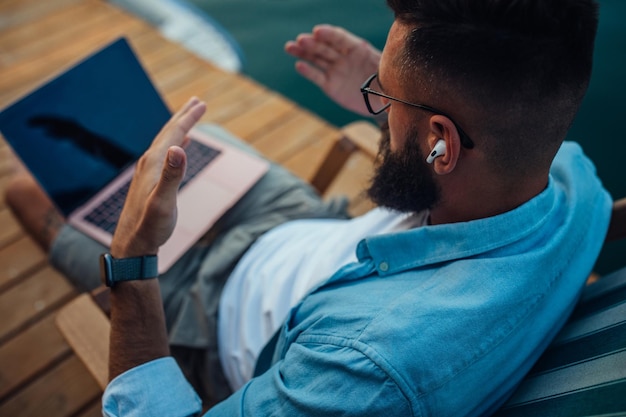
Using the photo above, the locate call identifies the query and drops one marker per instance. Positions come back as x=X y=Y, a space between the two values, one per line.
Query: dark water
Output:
x=262 y=26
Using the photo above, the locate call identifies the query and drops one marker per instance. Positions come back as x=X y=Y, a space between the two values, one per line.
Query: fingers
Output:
x=308 y=48
x=325 y=41
x=317 y=59
x=190 y=113
x=341 y=40
x=174 y=166
x=330 y=53
x=175 y=131
x=310 y=65
x=311 y=73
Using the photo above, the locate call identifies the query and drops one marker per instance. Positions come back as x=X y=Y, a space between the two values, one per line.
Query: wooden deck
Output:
x=39 y=374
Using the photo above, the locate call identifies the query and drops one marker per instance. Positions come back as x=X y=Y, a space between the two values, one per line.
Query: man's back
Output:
x=440 y=320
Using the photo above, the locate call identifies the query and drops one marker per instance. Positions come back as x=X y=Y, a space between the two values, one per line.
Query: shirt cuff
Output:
x=156 y=388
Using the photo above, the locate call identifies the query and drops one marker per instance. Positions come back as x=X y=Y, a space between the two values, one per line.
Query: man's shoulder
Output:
x=572 y=164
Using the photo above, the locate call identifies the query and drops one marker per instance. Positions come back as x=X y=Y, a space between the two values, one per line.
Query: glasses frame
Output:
x=366 y=91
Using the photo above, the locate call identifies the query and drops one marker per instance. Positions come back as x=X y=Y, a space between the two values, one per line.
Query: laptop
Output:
x=81 y=133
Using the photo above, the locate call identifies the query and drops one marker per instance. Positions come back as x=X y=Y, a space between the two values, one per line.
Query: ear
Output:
x=442 y=128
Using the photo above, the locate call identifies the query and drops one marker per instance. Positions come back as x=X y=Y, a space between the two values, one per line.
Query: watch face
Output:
x=106 y=272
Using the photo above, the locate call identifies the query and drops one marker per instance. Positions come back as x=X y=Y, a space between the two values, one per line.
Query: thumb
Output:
x=172 y=174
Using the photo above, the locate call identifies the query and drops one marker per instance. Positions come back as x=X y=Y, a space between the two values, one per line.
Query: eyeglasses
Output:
x=377 y=108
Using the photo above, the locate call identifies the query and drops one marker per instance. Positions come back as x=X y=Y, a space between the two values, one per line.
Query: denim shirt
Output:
x=437 y=320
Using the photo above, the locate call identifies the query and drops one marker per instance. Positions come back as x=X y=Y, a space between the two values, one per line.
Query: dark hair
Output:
x=518 y=68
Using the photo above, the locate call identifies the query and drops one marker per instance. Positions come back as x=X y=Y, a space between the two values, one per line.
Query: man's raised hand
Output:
x=337 y=61
x=149 y=213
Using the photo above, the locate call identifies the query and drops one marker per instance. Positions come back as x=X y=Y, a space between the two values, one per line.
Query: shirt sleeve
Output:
x=319 y=379
x=156 y=388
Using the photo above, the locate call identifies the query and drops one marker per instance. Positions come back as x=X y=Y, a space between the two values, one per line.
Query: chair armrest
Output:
x=357 y=136
x=86 y=329
x=364 y=135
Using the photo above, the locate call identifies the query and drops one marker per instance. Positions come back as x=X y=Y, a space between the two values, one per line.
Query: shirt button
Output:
x=384 y=266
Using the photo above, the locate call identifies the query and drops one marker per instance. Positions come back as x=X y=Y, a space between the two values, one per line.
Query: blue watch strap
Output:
x=129 y=269
x=142 y=267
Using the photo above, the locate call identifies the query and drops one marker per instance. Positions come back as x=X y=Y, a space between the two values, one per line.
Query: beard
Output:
x=403 y=181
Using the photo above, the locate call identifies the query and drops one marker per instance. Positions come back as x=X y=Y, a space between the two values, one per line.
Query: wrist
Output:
x=131 y=249
x=118 y=270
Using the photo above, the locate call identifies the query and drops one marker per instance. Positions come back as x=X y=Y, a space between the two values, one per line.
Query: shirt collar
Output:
x=422 y=246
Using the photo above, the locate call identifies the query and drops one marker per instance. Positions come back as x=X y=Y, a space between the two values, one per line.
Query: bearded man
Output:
x=435 y=303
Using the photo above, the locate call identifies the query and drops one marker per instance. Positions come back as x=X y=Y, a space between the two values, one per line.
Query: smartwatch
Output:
x=114 y=270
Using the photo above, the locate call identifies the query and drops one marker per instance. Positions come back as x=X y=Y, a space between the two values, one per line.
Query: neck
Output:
x=462 y=203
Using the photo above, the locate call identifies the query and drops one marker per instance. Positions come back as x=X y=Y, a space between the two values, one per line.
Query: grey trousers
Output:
x=191 y=288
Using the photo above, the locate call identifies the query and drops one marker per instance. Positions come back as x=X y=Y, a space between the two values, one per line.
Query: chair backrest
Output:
x=583 y=372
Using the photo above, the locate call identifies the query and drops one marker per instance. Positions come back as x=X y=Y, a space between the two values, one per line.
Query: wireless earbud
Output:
x=437 y=151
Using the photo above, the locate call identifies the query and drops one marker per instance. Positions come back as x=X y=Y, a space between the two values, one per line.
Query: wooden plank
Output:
x=178 y=73
x=255 y=121
x=230 y=103
x=26 y=75
x=53 y=29
x=159 y=53
x=9 y=228
x=32 y=299
x=94 y=410
x=87 y=329
x=151 y=41
x=306 y=162
x=290 y=135
x=233 y=105
x=18 y=258
x=353 y=178
x=50 y=55
x=7 y=162
x=56 y=57
x=21 y=12
x=173 y=68
x=363 y=134
x=360 y=205
x=29 y=353
x=74 y=49
x=205 y=86
x=61 y=392
x=13 y=39
x=175 y=76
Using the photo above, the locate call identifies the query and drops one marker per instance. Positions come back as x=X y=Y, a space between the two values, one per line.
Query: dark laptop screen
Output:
x=78 y=131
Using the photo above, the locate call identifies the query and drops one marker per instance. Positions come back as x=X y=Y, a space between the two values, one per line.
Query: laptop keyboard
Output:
x=106 y=214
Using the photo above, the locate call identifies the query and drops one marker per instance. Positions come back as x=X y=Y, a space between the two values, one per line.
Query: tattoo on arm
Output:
x=53 y=221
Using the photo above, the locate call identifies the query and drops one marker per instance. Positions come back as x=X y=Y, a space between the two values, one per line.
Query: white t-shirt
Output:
x=278 y=270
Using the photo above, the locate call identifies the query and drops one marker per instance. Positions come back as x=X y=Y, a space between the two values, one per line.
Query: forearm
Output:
x=138 y=332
